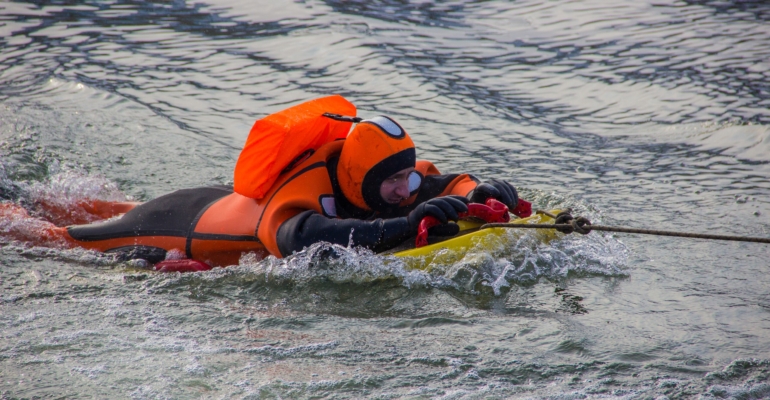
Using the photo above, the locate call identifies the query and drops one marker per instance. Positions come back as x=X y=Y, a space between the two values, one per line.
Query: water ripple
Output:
x=649 y=114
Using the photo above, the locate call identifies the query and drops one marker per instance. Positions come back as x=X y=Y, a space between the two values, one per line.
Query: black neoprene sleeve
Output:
x=309 y=227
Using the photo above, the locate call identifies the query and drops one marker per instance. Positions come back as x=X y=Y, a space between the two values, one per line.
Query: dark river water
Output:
x=641 y=113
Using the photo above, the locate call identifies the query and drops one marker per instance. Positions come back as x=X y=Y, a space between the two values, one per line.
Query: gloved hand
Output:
x=444 y=209
x=496 y=189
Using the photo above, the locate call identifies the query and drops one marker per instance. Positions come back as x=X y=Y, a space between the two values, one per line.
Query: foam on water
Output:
x=67 y=185
x=58 y=198
x=520 y=260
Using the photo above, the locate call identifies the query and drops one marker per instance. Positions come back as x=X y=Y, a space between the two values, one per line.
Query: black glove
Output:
x=496 y=189
x=442 y=208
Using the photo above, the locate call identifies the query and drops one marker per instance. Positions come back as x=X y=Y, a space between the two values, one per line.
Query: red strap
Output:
x=186 y=265
x=492 y=211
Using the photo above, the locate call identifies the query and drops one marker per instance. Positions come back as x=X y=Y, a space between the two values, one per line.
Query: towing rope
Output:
x=581 y=225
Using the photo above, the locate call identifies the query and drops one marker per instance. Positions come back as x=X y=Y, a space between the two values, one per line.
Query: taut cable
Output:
x=584 y=226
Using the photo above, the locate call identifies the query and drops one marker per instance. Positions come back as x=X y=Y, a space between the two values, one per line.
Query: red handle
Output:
x=492 y=211
x=523 y=209
x=422 y=230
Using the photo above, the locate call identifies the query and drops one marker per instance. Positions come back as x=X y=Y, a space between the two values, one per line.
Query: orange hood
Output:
x=376 y=149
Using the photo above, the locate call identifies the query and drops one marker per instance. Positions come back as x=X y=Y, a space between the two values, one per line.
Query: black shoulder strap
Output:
x=342 y=118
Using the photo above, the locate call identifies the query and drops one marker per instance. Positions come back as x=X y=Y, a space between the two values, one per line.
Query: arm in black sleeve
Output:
x=309 y=227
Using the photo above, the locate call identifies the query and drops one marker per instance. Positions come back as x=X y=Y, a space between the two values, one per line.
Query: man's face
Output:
x=395 y=188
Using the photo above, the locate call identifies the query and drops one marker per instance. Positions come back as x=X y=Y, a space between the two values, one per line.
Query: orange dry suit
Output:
x=333 y=196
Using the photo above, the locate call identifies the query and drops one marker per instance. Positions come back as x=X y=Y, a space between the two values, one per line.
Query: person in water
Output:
x=367 y=190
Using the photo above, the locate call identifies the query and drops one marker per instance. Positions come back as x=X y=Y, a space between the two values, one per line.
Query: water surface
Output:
x=650 y=114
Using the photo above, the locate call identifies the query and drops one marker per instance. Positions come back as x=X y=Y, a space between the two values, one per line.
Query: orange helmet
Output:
x=376 y=149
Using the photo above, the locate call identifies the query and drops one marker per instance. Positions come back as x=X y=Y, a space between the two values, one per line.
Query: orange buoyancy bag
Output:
x=285 y=138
